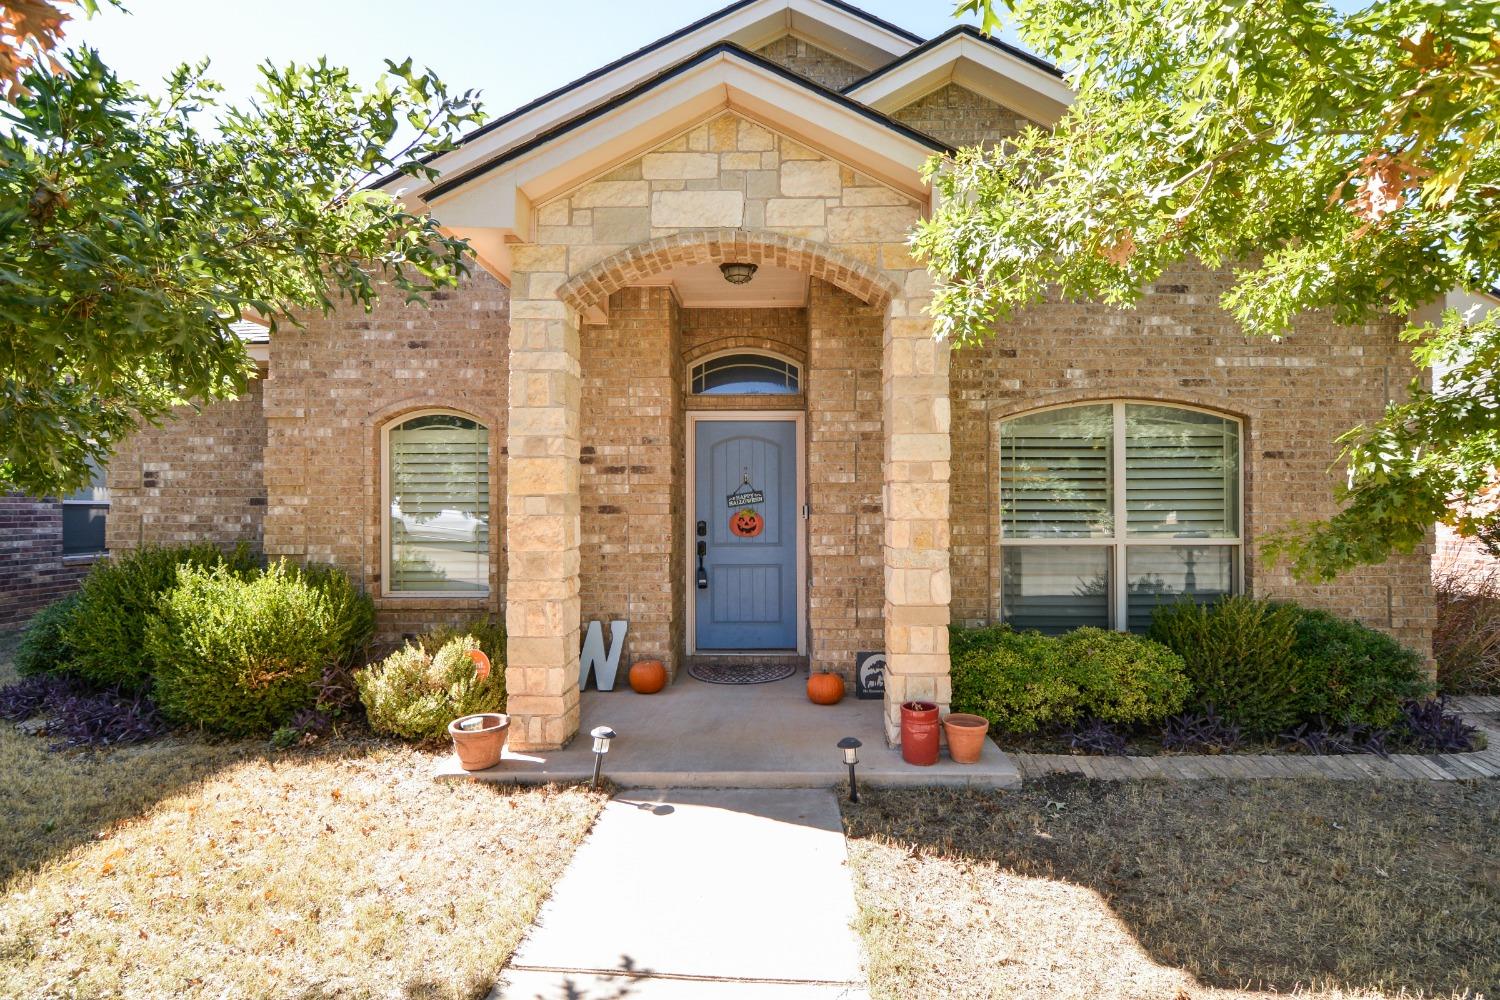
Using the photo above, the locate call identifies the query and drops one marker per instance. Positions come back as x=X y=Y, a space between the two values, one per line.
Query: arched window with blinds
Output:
x=1110 y=509
x=437 y=498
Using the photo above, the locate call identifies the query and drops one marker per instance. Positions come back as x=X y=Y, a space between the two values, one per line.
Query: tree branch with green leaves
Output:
x=1340 y=162
x=134 y=229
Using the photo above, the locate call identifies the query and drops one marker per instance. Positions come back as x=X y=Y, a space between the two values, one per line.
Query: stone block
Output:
x=698 y=209
x=810 y=179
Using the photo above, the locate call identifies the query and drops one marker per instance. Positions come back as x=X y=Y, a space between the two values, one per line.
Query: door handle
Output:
x=702 y=573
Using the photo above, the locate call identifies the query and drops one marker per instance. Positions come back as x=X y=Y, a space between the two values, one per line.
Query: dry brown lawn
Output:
x=185 y=868
x=1180 y=890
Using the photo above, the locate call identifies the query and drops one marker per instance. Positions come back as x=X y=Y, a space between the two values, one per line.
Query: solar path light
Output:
x=602 y=735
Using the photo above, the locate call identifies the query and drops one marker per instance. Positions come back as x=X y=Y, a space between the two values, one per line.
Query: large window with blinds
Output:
x=437 y=495
x=1110 y=509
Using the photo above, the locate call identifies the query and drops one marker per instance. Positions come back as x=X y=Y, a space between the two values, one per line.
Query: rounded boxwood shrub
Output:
x=1241 y=658
x=43 y=650
x=239 y=654
x=413 y=694
x=1016 y=680
x=1122 y=677
x=107 y=632
x=1363 y=675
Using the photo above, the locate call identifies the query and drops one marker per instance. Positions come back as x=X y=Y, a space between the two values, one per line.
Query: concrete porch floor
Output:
x=698 y=735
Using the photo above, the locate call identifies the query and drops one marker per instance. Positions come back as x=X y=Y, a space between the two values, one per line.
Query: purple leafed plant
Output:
x=1318 y=737
x=1094 y=736
x=27 y=698
x=1429 y=726
x=310 y=722
x=79 y=715
x=1206 y=731
x=334 y=693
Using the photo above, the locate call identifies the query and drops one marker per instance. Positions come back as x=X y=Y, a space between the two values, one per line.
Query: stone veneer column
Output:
x=914 y=375
x=541 y=490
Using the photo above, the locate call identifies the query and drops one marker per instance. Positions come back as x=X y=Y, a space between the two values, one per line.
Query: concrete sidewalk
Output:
x=699 y=893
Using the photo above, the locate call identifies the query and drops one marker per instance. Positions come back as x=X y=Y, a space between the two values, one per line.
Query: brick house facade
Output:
x=559 y=391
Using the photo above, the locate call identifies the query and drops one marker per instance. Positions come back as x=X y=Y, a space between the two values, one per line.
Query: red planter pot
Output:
x=919 y=733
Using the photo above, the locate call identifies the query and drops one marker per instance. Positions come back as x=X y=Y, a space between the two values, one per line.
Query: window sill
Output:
x=434 y=602
x=83 y=558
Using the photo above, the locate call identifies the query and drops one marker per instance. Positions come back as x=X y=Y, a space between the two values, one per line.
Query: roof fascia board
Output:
x=749 y=22
x=974 y=64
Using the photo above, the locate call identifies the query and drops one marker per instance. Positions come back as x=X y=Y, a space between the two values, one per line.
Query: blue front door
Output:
x=746 y=531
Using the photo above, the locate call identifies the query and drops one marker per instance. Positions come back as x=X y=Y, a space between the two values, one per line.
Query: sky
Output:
x=512 y=50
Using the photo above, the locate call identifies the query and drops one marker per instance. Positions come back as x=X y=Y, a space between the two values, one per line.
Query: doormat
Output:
x=750 y=673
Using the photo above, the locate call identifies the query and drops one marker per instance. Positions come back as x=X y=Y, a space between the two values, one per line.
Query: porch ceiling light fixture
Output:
x=851 y=746
x=738 y=274
x=602 y=735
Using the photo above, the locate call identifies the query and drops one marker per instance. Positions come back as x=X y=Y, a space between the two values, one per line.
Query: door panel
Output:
x=751 y=598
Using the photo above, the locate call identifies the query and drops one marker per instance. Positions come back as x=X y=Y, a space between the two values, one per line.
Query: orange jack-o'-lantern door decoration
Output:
x=746 y=522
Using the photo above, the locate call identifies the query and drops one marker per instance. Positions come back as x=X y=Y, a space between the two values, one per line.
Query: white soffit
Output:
x=751 y=23
x=494 y=206
x=973 y=64
x=702 y=286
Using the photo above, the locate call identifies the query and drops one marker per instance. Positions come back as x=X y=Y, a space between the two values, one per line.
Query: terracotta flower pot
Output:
x=479 y=739
x=648 y=676
x=825 y=689
x=966 y=734
x=919 y=733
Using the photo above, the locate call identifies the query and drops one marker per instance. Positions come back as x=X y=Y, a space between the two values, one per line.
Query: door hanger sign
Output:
x=745 y=521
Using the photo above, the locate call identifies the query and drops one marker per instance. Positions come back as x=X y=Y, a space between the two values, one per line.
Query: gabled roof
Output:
x=723 y=49
x=492 y=203
x=857 y=36
x=966 y=56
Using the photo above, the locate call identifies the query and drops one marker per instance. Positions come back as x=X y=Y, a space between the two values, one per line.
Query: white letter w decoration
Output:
x=593 y=656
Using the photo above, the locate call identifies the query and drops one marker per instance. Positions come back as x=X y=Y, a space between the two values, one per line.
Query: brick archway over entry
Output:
x=556 y=287
x=724 y=246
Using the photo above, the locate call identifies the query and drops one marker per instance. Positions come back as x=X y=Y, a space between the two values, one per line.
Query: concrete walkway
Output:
x=1484 y=713
x=694 y=893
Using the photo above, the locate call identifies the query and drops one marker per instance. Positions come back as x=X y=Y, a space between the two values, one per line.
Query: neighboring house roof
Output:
x=251 y=332
x=966 y=56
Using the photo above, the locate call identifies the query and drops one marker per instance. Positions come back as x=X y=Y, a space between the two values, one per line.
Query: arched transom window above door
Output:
x=1108 y=510
x=746 y=373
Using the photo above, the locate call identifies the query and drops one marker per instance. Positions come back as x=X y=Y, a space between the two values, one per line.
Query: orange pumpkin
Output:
x=746 y=522
x=825 y=689
x=648 y=676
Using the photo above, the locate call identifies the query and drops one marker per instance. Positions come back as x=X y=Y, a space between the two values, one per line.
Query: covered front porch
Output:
x=695 y=734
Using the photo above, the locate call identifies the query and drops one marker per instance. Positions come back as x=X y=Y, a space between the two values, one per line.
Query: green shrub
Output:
x=488 y=632
x=43 y=650
x=1363 y=675
x=1014 y=679
x=1122 y=677
x=414 y=694
x=239 y=653
x=1241 y=658
x=349 y=609
x=108 y=631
